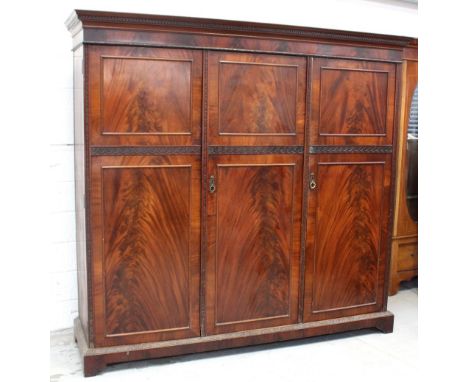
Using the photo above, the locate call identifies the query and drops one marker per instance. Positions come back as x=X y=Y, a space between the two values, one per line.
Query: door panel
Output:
x=147 y=241
x=347 y=225
x=353 y=102
x=254 y=242
x=256 y=99
x=144 y=96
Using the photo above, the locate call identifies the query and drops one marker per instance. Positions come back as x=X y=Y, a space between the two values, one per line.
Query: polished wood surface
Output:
x=81 y=162
x=405 y=229
x=234 y=182
x=253 y=249
x=144 y=96
x=146 y=210
x=256 y=99
x=404 y=265
x=88 y=27
x=404 y=224
x=355 y=102
x=346 y=235
x=146 y=215
x=408 y=257
x=133 y=90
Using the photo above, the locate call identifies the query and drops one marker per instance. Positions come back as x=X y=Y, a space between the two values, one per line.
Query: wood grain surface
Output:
x=256 y=99
x=134 y=90
x=80 y=163
x=353 y=102
x=144 y=96
x=150 y=247
x=254 y=231
x=346 y=248
x=405 y=229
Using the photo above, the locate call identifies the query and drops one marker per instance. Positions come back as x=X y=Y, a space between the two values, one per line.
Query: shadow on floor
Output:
x=411 y=284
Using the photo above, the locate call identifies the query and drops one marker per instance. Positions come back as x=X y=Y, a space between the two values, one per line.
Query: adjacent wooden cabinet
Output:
x=404 y=262
x=234 y=182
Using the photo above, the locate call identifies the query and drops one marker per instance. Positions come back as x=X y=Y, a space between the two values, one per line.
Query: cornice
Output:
x=103 y=19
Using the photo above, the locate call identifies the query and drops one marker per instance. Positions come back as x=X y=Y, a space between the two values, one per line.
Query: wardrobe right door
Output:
x=351 y=128
x=347 y=227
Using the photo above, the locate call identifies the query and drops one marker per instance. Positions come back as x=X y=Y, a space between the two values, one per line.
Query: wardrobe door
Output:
x=145 y=213
x=347 y=230
x=252 y=265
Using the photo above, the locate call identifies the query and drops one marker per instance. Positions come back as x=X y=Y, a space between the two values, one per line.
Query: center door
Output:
x=255 y=143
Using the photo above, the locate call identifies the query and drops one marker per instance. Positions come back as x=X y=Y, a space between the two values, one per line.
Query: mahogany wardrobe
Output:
x=234 y=182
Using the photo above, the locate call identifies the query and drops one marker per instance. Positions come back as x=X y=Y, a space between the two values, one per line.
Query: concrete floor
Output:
x=360 y=355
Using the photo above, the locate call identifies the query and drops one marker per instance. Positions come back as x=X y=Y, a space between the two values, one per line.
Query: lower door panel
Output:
x=346 y=252
x=146 y=244
x=252 y=265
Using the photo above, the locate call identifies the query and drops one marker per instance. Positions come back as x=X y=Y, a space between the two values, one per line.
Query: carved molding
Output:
x=253 y=150
x=231 y=26
x=350 y=149
x=235 y=150
x=144 y=150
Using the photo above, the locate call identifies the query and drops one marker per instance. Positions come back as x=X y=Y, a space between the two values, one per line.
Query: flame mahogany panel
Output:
x=134 y=90
x=353 y=102
x=254 y=242
x=256 y=99
x=145 y=96
x=346 y=240
x=148 y=262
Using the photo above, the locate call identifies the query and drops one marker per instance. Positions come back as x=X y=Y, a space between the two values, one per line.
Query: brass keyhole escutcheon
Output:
x=312 y=182
x=212 y=186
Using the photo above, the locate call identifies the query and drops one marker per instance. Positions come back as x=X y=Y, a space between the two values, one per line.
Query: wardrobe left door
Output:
x=145 y=223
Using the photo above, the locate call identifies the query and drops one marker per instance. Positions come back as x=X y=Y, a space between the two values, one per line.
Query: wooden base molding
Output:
x=96 y=359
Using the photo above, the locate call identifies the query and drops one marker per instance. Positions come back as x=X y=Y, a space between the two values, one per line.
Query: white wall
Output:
x=389 y=17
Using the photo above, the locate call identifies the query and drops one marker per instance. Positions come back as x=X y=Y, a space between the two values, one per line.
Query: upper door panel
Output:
x=353 y=102
x=144 y=96
x=256 y=99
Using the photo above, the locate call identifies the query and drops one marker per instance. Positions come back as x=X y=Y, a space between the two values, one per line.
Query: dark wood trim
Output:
x=144 y=150
x=89 y=262
x=95 y=359
x=204 y=194
x=305 y=189
x=83 y=18
x=410 y=53
x=351 y=149
x=302 y=49
x=254 y=150
x=393 y=191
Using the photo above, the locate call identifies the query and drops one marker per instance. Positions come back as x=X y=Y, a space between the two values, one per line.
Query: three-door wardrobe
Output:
x=234 y=182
